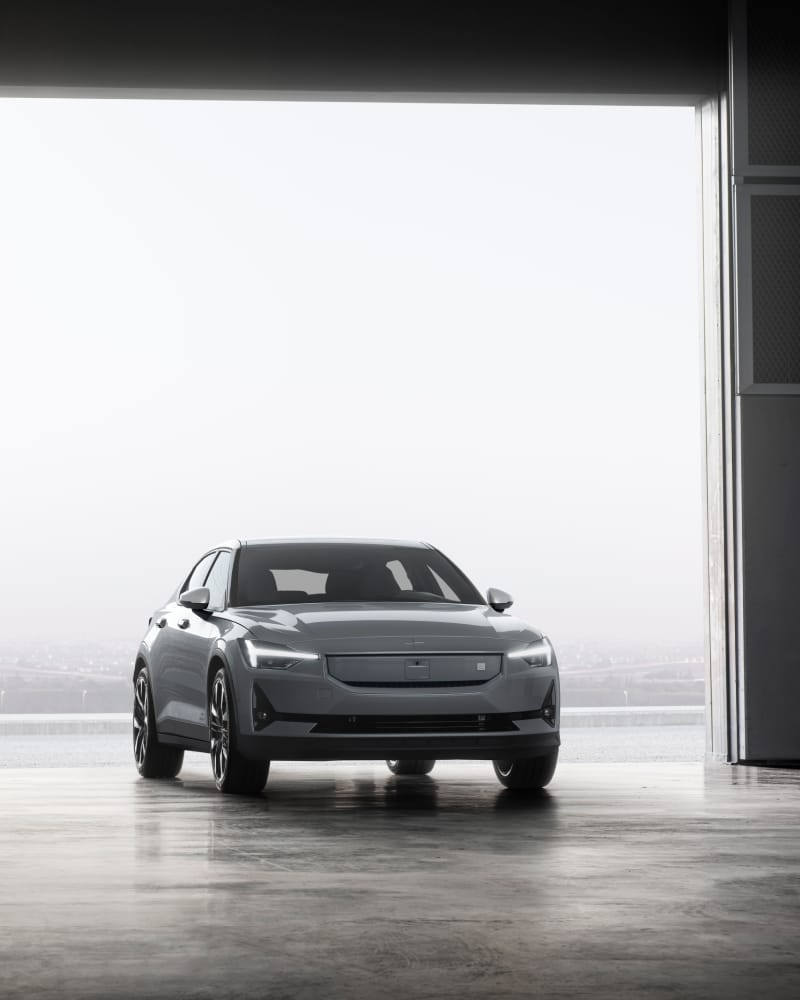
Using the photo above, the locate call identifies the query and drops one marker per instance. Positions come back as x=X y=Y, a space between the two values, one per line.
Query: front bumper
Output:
x=489 y=746
x=307 y=714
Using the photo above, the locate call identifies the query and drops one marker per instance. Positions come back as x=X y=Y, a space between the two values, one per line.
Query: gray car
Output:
x=341 y=650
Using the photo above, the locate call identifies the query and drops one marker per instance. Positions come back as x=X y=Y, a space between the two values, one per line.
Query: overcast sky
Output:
x=475 y=325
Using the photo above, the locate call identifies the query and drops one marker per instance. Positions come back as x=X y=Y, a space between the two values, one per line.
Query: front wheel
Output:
x=153 y=759
x=233 y=773
x=528 y=772
x=411 y=766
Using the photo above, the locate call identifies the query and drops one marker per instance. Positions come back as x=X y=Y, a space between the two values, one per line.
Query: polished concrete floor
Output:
x=630 y=880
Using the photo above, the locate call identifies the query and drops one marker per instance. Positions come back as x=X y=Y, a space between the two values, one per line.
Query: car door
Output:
x=169 y=656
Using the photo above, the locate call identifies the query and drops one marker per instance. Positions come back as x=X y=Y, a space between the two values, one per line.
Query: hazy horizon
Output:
x=472 y=325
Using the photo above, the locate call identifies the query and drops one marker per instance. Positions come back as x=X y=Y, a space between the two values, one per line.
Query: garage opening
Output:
x=475 y=325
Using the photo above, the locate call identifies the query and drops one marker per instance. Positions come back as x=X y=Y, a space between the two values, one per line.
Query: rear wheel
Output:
x=233 y=773
x=153 y=759
x=529 y=772
x=411 y=766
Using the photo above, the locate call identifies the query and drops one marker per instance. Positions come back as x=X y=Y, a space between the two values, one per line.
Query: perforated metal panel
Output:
x=773 y=92
x=775 y=226
x=767 y=219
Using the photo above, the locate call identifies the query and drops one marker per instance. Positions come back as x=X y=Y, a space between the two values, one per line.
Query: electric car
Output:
x=341 y=650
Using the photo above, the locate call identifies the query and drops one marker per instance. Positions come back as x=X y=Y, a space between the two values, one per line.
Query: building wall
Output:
x=770 y=597
x=765 y=184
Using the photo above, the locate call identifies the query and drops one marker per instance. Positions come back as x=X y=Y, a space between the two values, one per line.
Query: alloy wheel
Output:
x=141 y=711
x=219 y=724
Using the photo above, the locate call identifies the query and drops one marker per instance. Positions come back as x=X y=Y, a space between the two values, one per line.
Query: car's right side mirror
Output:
x=197 y=599
x=499 y=599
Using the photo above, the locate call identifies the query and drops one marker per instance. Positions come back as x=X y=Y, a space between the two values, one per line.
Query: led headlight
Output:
x=537 y=654
x=267 y=654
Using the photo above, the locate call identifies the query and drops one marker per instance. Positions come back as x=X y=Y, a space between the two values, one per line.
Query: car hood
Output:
x=387 y=626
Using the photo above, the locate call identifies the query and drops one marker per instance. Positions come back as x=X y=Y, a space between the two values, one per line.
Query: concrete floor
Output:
x=624 y=880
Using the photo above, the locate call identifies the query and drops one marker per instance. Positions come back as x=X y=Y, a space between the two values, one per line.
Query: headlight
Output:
x=538 y=654
x=266 y=654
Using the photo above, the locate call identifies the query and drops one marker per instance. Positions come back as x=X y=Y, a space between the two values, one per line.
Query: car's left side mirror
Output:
x=499 y=599
x=197 y=599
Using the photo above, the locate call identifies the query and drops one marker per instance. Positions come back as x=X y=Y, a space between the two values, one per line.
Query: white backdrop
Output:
x=476 y=325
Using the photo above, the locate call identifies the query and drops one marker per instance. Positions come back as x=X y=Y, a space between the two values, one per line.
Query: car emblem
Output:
x=481 y=666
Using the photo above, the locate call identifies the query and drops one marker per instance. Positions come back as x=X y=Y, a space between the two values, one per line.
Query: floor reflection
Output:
x=341 y=789
x=445 y=885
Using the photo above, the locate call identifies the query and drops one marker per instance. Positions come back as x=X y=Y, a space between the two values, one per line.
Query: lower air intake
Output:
x=415 y=724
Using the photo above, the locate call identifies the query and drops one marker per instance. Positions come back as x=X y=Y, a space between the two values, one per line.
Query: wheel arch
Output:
x=138 y=666
x=217 y=660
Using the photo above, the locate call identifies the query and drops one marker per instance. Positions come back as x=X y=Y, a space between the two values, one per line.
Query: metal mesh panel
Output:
x=773 y=70
x=775 y=221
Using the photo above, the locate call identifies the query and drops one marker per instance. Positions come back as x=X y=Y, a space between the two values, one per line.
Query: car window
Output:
x=273 y=573
x=217 y=581
x=197 y=577
x=444 y=588
x=398 y=571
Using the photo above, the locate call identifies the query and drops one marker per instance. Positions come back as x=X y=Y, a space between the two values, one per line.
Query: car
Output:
x=341 y=649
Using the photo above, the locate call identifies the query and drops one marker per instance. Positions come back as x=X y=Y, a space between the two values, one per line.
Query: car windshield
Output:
x=301 y=572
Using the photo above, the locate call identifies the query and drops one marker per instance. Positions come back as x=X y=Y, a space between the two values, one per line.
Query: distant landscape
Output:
x=96 y=676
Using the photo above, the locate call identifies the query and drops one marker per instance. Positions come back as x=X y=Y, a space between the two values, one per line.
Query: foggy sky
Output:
x=474 y=325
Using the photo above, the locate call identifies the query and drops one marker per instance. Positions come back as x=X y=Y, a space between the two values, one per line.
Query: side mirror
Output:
x=197 y=600
x=499 y=599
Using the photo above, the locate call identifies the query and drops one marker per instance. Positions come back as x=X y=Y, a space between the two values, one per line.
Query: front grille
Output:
x=341 y=724
x=414 y=669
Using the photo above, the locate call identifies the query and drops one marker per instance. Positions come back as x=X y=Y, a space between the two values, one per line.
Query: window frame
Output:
x=226 y=592
x=185 y=585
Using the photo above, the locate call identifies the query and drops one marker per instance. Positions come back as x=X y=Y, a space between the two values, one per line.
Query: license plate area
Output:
x=417 y=670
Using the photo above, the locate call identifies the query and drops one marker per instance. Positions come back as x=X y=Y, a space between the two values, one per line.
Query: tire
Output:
x=233 y=774
x=153 y=759
x=527 y=773
x=410 y=766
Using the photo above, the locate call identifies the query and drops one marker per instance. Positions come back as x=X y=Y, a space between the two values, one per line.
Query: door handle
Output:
x=183 y=623
x=161 y=622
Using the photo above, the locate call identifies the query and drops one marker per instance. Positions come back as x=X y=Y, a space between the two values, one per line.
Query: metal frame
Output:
x=740 y=130
x=685 y=99
x=719 y=452
x=748 y=179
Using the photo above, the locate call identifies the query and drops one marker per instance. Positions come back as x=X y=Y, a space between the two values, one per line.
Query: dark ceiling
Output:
x=424 y=46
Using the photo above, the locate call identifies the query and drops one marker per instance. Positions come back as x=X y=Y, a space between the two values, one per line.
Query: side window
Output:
x=217 y=582
x=197 y=577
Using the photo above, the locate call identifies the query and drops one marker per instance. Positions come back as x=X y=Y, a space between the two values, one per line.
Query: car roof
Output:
x=335 y=541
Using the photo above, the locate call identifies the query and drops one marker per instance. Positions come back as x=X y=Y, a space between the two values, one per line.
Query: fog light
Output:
x=263 y=712
x=548 y=709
